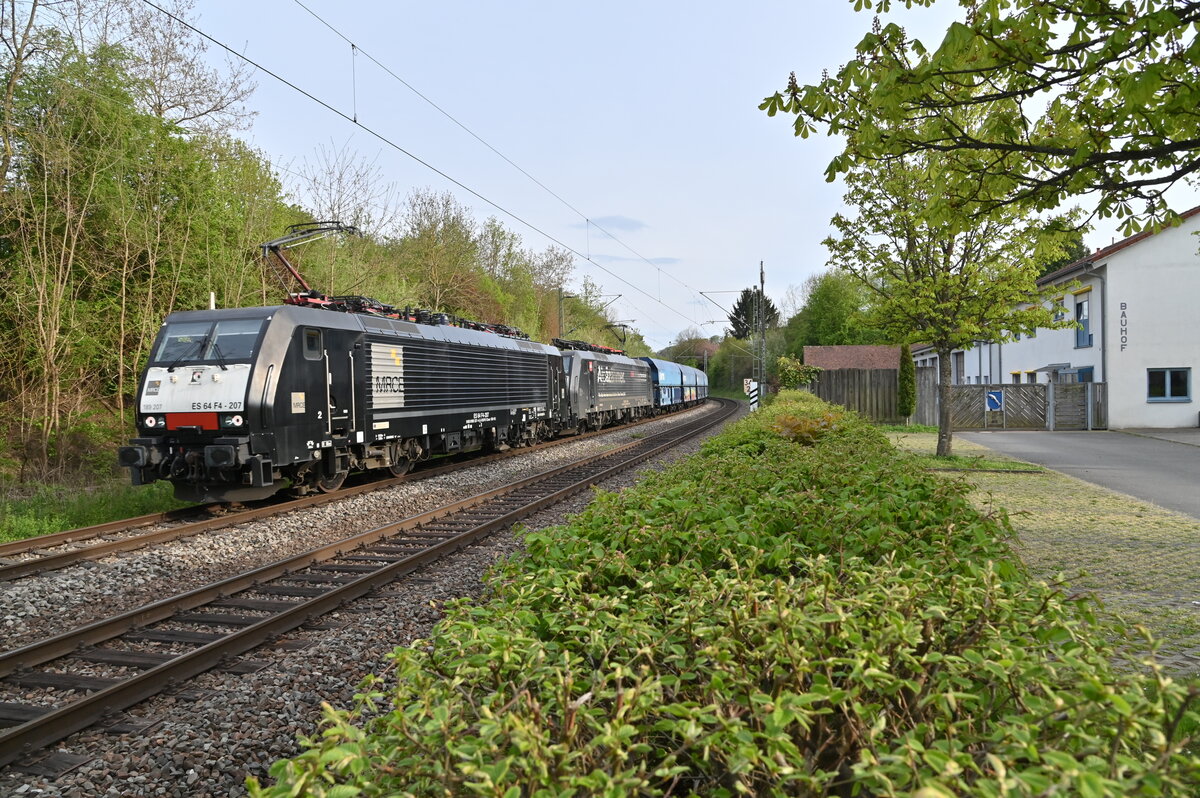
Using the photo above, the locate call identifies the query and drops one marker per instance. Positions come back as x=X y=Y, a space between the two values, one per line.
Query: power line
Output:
x=411 y=155
x=437 y=107
x=316 y=182
x=591 y=223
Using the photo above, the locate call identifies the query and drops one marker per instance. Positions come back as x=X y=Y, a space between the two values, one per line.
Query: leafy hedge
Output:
x=781 y=614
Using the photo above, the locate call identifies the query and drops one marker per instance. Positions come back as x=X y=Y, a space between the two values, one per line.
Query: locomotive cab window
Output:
x=312 y=344
x=183 y=340
x=233 y=339
x=200 y=341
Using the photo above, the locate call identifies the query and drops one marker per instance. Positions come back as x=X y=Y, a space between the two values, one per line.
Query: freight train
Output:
x=236 y=404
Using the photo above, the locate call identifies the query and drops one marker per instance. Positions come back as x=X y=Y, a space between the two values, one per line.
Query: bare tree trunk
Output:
x=945 y=436
x=17 y=38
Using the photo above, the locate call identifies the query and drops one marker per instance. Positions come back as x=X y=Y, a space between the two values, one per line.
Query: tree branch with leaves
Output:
x=1061 y=100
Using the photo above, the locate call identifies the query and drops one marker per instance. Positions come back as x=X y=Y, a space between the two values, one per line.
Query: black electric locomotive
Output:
x=234 y=401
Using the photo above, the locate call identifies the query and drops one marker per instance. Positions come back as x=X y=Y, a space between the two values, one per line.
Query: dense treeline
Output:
x=127 y=194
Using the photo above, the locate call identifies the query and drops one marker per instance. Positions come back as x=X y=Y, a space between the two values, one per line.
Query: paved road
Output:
x=1165 y=472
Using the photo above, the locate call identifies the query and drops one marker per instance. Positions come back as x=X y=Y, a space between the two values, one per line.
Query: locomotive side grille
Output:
x=435 y=375
x=623 y=385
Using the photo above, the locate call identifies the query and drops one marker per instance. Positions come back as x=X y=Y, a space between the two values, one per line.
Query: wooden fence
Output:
x=926 y=397
x=998 y=406
x=872 y=393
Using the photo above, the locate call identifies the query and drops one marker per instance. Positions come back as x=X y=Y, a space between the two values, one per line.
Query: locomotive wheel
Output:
x=401 y=467
x=330 y=484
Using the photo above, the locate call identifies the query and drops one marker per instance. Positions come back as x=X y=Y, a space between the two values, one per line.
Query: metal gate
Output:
x=1079 y=405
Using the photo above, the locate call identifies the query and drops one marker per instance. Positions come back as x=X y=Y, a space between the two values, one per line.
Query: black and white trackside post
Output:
x=751 y=389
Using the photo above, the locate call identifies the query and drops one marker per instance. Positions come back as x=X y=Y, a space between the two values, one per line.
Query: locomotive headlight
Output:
x=232 y=421
x=150 y=421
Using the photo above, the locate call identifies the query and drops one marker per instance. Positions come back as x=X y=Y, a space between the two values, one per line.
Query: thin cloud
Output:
x=613 y=224
x=621 y=259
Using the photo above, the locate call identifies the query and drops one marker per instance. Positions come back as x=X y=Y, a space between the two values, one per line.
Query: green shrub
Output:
x=764 y=618
x=805 y=430
x=906 y=384
x=793 y=373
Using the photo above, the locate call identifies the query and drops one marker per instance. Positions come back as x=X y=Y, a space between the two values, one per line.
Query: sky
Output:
x=638 y=119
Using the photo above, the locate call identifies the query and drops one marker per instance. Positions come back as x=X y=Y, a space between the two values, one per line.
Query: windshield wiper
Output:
x=216 y=349
x=186 y=354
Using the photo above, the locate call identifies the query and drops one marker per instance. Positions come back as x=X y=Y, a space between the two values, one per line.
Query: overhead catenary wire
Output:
x=371 y=131
x=354 y=78
x=317 y=182
x=588 y=222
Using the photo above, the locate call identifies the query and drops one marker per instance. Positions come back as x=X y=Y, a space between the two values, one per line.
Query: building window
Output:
x=1016 y=377
x=1031 y=377
x=1083 y=333
x=1086 y=374
x=1058 y=309
x=1168 y=385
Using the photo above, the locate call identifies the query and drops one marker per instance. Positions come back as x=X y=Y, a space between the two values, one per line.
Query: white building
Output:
x=1138 y=306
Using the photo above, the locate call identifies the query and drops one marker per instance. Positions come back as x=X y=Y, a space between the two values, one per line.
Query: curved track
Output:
x=228 y=618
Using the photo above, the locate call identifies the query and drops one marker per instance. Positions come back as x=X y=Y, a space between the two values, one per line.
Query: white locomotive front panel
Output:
x=196 y=389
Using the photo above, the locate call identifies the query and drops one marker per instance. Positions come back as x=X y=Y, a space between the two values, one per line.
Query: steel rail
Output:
x=51 y=562
x=84 y=712
x=85 y=532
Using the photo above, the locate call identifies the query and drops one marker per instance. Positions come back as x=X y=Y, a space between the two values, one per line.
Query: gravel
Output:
x=206 y=738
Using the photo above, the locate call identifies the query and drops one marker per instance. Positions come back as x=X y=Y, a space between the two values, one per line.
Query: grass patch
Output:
x=921 y=447
x=56 y=508
x=961 y=462
x=907 y=428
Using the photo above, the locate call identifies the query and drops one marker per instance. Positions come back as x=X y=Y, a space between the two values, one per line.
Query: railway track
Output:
x=217 y=623
x=59 y=550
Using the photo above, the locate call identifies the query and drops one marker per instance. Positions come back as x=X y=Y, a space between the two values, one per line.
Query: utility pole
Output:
x=561 y=297
x=762 y=290
x=761 y=325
